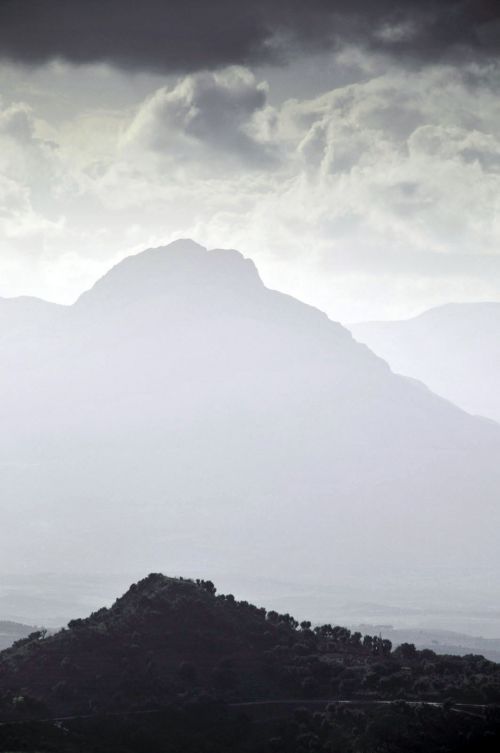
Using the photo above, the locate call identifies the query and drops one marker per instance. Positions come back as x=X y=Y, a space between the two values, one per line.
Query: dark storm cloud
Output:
x=188 y=35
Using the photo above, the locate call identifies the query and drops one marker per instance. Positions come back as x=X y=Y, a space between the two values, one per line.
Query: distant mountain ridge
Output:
x=454 y=349
x=182 y=415
x=12 y=631
x=24 y=313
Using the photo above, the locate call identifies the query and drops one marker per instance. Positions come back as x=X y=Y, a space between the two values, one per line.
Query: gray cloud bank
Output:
x=190 y=35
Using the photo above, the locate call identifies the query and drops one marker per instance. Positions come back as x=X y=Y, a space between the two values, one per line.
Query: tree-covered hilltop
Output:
x=167 y=639
x=172 y=667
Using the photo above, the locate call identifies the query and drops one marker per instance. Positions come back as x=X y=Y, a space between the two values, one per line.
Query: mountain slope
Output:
x=454 y=349
x=182 y=415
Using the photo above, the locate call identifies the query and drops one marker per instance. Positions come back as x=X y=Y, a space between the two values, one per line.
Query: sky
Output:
x=351 y=149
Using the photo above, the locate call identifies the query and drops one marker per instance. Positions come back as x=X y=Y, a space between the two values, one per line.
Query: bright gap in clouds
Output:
x=364 y=188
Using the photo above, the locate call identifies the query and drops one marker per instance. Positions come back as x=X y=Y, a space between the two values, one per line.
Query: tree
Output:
x=356 y=640
x=207 y=586
x=407 y=651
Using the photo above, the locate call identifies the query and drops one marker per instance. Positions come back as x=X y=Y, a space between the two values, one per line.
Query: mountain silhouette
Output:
x=181 y=415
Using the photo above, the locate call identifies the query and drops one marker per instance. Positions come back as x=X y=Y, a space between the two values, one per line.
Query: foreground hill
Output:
x=182 y=415
x=454 y=349
x=171 y=666
x=167 y=637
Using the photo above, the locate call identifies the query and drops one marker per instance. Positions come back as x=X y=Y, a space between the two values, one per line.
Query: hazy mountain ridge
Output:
x=439 y=640
x=454 y=349
x=23 y=316
x=12 y=631
x=180 y=398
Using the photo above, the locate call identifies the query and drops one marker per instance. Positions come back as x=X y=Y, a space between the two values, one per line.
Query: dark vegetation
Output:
x=172 y=666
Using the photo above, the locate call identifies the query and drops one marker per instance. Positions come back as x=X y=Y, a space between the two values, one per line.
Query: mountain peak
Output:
x=182 y=267
x=185 y=245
